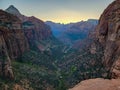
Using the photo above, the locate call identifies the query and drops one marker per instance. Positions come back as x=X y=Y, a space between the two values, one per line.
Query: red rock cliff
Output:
x=13 y=42
x=108 y=35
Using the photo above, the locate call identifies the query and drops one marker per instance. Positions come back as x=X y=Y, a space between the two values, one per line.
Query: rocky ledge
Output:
x=98 y=84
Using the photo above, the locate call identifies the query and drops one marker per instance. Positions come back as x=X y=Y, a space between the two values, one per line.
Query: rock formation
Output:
x=35 y=29
x=98 y=84
x=13 y=43
x=108 y=35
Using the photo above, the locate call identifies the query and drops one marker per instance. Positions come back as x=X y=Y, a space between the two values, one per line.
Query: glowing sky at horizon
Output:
x=63 y=11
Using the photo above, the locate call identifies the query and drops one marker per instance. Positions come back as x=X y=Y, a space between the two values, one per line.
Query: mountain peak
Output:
x=11 y=6
x=13 y=10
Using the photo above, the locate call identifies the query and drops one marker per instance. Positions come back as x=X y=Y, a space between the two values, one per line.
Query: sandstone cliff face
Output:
x=36 y=30
x=98 y=84
x=11 y=29
x=108 y=35
x=12 y=42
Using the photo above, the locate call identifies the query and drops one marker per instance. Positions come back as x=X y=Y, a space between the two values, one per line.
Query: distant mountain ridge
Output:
x=73 y=32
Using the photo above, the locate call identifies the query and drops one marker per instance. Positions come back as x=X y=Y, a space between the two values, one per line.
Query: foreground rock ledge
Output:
x=98 y=84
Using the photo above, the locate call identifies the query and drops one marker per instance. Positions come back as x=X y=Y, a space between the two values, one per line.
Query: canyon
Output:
x=33 y=58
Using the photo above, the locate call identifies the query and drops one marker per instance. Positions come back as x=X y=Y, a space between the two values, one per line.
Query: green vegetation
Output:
x=56 y=67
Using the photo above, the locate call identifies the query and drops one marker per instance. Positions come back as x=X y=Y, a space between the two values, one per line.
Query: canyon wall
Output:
x=13 y=42
x=108 y=35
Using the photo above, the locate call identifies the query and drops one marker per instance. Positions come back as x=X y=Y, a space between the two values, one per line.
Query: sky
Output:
x=62 y=11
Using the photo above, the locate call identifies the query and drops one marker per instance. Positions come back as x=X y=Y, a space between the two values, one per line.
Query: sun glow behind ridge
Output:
x=67 y=17
x=62 y=11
